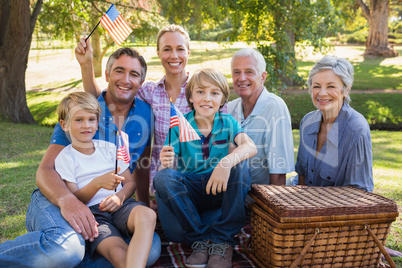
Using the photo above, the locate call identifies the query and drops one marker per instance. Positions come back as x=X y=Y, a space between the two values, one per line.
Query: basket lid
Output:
x=321 y=203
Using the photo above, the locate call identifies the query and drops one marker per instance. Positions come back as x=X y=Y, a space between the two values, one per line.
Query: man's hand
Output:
x=83 y=52
x=218 y=181
x=79 y=217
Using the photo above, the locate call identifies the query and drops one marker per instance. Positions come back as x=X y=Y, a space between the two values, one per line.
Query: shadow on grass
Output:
x=58 y=86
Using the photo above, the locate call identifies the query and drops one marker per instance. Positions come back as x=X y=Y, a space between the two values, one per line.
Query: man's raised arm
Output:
x=84 y=55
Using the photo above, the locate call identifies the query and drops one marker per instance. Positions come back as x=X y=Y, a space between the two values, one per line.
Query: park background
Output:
x=52 y=72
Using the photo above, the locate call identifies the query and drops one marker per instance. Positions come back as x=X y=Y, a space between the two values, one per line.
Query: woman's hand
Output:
x=167 y=157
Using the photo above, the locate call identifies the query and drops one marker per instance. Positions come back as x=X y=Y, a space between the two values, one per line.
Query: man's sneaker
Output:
x=199 y=257
x=220 y=256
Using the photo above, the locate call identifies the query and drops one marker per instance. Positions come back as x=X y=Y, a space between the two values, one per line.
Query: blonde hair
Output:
x=84 y=100
x=209 y=75
x=171 y=29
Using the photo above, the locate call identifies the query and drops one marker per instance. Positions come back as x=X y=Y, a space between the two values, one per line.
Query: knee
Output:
x=146 y=217
x=163 y=178
x=63 y=251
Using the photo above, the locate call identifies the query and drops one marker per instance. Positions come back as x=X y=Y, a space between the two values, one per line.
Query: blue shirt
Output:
x=270 y=128
x=201 y=156
x=138 y=126
x=345 y=158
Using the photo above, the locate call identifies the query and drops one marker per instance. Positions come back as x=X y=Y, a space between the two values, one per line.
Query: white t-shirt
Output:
x=79 y=168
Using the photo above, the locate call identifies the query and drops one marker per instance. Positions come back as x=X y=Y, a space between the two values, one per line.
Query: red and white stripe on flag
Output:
x=115 y=25
x=187 y=132
x=123 y=151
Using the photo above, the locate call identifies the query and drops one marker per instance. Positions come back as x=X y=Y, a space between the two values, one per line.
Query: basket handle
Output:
x=382 y=248
x=305 y=249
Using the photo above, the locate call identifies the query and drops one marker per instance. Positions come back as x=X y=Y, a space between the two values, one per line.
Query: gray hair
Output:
x=250 y=52
x=341 y=67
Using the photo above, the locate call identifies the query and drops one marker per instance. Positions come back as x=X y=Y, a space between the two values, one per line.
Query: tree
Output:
x=17 y=24
x=376 y=13
x=70 y=19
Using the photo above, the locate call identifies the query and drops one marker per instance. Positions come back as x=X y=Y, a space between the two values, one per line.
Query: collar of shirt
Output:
x=337 y=128
x=216 y=128
x=106 y=115
x=259 y=105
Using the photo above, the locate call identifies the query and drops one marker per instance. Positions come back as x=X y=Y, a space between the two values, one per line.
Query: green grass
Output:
x=369 y=74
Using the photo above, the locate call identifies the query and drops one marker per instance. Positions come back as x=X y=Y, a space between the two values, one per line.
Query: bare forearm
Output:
x=277 y=179
x=88 y=80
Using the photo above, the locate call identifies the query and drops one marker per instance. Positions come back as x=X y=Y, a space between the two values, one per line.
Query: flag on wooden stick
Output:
x=115 y=25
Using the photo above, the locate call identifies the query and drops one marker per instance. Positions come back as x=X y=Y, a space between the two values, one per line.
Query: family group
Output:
x=83 y=213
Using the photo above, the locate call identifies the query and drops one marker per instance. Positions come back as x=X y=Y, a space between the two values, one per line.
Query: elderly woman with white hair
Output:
x=335 y=142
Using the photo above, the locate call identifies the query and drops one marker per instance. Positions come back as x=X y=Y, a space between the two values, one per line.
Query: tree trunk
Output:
x=96 y=46
x=17 y=25
x=377 y=41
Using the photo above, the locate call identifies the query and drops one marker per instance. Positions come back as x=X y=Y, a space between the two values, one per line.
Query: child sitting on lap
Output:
x=207 y=177
x=88 y=168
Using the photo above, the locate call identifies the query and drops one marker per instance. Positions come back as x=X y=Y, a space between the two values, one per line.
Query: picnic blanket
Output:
x=175 y=254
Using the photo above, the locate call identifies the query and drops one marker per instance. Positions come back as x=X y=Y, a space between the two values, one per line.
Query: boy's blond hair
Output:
x=171 y=29
x=209 y=75
x=83 y=100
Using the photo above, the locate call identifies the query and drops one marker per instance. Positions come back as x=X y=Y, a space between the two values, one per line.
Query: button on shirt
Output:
x=270 y=128
x=138 y=126
x=201 y=156
x=345 y=158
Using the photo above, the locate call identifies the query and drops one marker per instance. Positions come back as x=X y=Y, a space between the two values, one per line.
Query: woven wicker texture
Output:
x=326 y=203
x=337 y=239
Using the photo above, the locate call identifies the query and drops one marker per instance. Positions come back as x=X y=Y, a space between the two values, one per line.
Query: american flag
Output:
x=123 y=152
x=115 y=25
x=186 y=131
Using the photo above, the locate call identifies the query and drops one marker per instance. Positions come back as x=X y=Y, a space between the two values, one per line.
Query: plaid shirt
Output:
x=154 y=93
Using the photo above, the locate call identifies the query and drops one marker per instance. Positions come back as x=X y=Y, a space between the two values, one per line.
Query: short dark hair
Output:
x=131 y=53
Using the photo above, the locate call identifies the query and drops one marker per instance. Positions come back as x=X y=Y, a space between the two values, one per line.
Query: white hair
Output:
x=341 y=67
x=250 y=52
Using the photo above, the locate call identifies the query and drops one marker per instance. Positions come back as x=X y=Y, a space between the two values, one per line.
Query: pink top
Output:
x=154 y=93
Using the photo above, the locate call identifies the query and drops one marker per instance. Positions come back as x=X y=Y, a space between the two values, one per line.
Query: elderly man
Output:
x=57 y=222
x=264 y=117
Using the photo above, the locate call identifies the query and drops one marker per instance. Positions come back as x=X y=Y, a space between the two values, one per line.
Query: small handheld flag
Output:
x=115 y=25
x=186 y=131
x=122 y=152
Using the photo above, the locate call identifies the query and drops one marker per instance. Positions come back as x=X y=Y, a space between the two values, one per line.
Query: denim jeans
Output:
x=50 y=241
x=184 y=195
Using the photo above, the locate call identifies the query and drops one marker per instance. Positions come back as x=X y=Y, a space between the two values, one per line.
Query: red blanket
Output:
x=174 y=254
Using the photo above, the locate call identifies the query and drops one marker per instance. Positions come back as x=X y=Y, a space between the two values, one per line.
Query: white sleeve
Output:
x=64 y=165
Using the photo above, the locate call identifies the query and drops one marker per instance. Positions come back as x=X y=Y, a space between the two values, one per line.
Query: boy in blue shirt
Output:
x=207 y=177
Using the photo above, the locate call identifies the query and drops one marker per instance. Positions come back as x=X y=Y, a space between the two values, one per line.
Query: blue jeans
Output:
x=50 y=241
x=184 y=195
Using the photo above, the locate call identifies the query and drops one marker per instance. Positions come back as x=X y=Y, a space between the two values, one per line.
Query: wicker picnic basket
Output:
x=294 y=226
